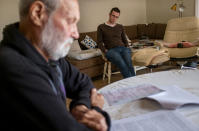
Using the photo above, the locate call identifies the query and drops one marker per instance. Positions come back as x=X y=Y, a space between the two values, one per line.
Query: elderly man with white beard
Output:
x=36 y=79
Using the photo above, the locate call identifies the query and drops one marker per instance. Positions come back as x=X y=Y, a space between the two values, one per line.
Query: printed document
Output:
x=174 y=97
x=126 y=94
x=155 y=121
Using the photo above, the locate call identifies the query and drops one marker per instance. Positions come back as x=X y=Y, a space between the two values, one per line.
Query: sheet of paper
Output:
x=155 y=121
x=174 y=97
x=126 y=94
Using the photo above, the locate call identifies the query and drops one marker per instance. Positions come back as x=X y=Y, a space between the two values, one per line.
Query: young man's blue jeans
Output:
x=121 y=57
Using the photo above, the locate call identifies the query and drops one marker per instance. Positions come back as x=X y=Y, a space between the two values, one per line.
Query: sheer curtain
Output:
x=197 y=8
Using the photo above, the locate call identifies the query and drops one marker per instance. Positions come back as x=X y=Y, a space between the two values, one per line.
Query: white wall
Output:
x=8 y=13
x=95 y=12
x=159 y=10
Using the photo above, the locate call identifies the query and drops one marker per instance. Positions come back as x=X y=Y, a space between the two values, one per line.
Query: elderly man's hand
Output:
x=94 y=120
x=91 y=118
x=97 y=99
x=79 y=111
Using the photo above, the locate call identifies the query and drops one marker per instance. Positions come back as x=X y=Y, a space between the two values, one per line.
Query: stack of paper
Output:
x=170 y=97
x=123 y=95
x=174 y=97
x=155 y=121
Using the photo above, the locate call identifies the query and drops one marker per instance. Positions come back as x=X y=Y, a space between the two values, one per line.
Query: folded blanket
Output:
x=150 y=56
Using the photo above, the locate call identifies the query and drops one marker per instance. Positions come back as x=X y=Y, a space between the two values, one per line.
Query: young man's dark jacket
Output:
x=30 y=96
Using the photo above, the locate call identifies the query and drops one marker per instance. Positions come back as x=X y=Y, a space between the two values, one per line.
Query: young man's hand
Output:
x=105 y=51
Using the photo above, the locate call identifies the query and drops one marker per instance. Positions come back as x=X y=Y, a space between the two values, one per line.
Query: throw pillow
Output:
x=89 y=42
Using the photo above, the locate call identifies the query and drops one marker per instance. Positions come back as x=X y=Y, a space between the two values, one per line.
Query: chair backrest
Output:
x=182 y=29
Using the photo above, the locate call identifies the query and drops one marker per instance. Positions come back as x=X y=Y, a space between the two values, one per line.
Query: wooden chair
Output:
x=107 y=69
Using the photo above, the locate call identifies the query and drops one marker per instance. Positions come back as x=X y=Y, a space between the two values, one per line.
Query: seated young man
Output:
x=112 y=41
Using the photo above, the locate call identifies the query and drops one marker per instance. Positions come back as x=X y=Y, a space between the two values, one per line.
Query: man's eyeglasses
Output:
x=115 y=16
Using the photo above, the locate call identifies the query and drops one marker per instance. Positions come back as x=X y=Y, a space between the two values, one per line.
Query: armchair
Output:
x=181 y=29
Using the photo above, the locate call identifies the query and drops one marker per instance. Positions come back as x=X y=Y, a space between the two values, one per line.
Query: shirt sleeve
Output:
x=124 y=39
x=78 y=85
x=100 y=39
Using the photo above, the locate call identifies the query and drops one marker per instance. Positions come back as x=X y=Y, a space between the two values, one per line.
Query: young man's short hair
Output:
x=116 y=9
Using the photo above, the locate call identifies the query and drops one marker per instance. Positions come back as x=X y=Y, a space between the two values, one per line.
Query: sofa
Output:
x=93 y=65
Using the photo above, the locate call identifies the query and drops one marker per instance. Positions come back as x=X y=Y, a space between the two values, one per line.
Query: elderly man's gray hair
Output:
x=24 y=5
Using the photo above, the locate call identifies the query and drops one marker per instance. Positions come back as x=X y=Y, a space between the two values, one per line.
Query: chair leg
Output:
x=109 y=72
x=135 y=69
x=105 y=70
x=151 y=70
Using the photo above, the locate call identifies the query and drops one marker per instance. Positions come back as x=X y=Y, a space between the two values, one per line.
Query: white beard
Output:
x=54 y=42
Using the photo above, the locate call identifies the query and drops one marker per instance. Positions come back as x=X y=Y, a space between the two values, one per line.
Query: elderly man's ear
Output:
x=38 y=13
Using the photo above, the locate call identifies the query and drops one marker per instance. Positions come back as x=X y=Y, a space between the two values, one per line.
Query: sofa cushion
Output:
x=84 y=54
x=75 y=46
x=151 y=31
x=89 y=42
x=131 y=31
x=141 y=30
x=160 y=31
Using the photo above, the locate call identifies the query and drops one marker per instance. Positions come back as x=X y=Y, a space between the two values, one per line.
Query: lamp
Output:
x=173 y=7
x=180 y=6
x=181 y=9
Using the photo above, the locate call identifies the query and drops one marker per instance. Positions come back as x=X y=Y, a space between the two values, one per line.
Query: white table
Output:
x=186 y=79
